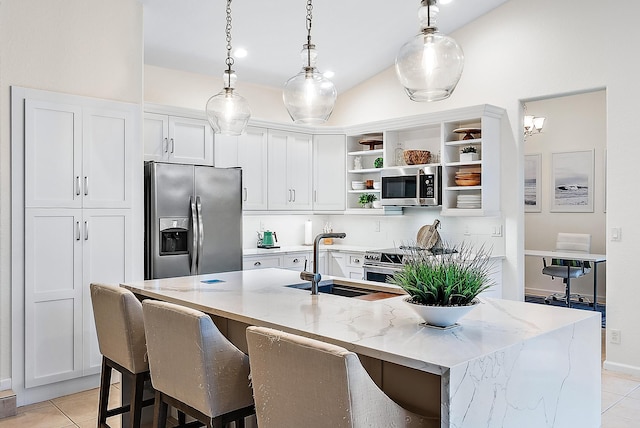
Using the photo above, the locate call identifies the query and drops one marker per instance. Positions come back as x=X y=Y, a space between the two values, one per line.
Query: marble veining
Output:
x=509 y=364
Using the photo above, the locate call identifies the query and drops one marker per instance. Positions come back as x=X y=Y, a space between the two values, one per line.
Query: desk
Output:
x=585 y=257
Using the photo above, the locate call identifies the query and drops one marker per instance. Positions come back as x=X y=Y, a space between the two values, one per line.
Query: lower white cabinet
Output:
x=298 y=260
x=66 y=250
x=347 y=264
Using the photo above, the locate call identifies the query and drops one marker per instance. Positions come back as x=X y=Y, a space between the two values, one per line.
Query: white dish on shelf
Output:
x=358 y=185
x=377 y=185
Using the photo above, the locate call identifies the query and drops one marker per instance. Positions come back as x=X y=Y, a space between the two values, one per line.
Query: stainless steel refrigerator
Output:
x=193 y=219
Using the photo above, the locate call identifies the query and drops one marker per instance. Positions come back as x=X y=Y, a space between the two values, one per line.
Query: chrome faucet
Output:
x=314 y=276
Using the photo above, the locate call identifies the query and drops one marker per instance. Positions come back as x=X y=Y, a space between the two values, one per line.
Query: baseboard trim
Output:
x=621 y=368
x=5 y=384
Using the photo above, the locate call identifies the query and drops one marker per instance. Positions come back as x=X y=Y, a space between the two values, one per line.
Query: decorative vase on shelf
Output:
x=469 y=157
x=357 y=162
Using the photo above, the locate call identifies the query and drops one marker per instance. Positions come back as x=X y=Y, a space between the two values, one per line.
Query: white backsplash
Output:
x=378 y=231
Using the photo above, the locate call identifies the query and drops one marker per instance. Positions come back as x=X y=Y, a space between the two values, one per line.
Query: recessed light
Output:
x=240 y=52
x=328 y=74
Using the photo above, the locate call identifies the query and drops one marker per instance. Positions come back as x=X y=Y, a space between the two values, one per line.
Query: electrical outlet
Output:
x=466 y=230
x=261 y=226
x=376 y=226
x=496 y=231
x=615 y=336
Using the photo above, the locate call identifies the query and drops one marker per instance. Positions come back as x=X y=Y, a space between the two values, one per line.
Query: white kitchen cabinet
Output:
x=347 y=264
x=261 y=262
x=290 y=171
x=249 y=152
x=77 y=156
x=177 y=139
x=297 y=261
x=329 y=172
x=66 y=250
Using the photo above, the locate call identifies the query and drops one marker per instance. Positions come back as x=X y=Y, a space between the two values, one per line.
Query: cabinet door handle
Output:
x=165 y=145
x=77 y=230
x=173 y=145
x=315 y=196
x=294 y=194
x=244 y=191
x=257 y=264
x=356 y=261
x=296 y=261
x=77 y=185
x=86 y=230
x=86 y=185
x=289 y=200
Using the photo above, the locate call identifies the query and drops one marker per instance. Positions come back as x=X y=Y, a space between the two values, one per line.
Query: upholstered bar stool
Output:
x=119 y=325
x=194 y=368
x=301 y=382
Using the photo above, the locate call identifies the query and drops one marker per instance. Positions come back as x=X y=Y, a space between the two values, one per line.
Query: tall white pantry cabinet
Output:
x=79 y=166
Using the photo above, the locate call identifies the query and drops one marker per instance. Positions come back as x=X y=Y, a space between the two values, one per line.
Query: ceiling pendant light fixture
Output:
x=228 y=112
x=429 y=65
x=309 y=96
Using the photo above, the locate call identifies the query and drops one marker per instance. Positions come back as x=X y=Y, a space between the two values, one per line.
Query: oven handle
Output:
x=418 y=181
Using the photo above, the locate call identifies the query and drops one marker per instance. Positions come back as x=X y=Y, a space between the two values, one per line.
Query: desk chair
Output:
x=118 y=317
x=568 y=268
x=194 y=368
x=301 y=382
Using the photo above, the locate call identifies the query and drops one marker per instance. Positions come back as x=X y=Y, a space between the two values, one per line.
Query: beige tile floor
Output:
x=620 y=407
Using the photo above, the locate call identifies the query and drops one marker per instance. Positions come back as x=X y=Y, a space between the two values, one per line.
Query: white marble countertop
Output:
x=384 y=329
x=304 y=248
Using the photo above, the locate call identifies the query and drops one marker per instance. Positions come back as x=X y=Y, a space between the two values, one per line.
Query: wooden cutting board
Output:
x=428 y=236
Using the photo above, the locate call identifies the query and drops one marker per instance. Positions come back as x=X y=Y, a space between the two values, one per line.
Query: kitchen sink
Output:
x=344 y=290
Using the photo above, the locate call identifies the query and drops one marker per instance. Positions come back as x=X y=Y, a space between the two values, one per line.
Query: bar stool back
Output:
x=119 y=326
x=194 y=368
x=301 y=382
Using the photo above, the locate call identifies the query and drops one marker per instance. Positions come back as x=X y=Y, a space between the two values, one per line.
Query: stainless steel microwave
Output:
x=410 y=187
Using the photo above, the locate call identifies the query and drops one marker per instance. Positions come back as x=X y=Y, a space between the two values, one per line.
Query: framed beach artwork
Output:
x=572 y=181
x=532 y=173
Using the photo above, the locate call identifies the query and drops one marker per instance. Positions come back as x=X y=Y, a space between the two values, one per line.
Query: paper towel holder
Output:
x=308 y=233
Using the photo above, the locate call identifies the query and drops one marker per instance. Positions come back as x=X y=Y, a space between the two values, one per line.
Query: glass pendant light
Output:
x=309 y=96
x=429 y=65
x=228 y=112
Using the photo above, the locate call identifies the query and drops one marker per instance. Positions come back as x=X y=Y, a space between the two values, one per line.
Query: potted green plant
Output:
x=378 y=162
x=366 y=199
x=444 y=288
x=468 y=154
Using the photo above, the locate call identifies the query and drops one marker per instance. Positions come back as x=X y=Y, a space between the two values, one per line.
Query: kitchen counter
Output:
x=303 y=248
x=507 y=363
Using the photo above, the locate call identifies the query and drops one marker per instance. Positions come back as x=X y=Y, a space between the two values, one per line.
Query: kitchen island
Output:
x=506 y=364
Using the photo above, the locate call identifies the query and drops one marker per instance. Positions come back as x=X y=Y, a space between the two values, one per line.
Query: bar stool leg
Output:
x=105 y=385
x=159 y=412
x=137 y=389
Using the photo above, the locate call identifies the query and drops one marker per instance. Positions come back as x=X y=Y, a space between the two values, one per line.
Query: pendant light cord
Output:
x=229 y=61
x=309 y=18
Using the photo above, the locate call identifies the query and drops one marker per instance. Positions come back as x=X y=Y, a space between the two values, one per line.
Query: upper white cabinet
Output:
x=290 y=171
x=177 y=139
x=329 y=172
x=248 y=151
x=77 y=156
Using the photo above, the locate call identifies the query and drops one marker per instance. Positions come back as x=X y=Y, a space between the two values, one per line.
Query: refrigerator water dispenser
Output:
x=174 y=236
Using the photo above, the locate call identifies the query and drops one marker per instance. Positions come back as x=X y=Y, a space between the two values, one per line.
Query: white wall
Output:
x=83 y=47
x=574 y=123
x=519 y=52
x=190 y=90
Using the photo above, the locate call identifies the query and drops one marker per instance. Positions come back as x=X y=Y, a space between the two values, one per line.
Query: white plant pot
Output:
x=468 y=157
x=441 y=316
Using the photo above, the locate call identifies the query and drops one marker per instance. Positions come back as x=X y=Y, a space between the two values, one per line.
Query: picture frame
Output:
x=532 y=182
x=572 y=181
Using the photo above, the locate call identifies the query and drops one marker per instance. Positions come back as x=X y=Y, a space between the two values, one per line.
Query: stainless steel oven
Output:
x=381 y=264
x=379 y=273
x=412 y=186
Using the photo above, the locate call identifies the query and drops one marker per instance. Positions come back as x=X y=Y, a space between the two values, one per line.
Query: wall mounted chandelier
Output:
x=309 y=96
x=429 y=66
x=228 y=112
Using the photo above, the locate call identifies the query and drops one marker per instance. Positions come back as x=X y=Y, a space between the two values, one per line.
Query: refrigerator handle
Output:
x=194 y=233
x=200 y=232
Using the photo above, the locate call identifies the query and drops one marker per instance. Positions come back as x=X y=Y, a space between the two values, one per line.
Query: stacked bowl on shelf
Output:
x=358 y=185
x=469 y=201
x=467 y=178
